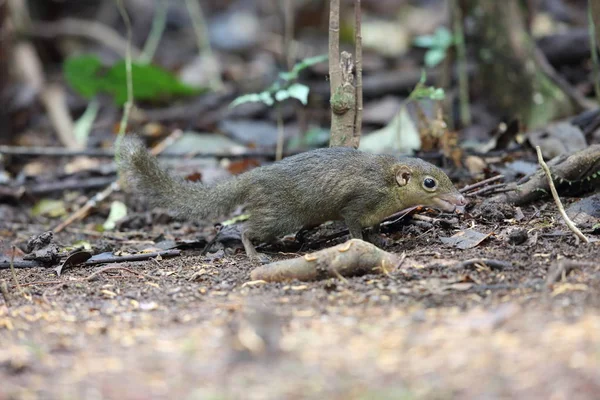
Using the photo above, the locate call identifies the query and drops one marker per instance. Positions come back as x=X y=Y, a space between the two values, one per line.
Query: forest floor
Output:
x=197 y=327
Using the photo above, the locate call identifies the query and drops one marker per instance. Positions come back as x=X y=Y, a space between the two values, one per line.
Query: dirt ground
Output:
x=196 y=327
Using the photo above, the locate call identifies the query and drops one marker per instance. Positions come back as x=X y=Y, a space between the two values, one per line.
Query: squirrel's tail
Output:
x=187 y=199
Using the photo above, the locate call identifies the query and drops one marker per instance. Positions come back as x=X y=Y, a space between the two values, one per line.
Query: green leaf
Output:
x=264 y=97
x=307 y=62
x=434 y=56
x=426 y=41
x=83 y=126
x=80 y=73
x=49 y=208
x=87 y=77
x=118 y=210
x=441 y=39
x=299 y=91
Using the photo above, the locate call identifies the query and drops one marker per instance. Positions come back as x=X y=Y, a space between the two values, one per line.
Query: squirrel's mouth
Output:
x=449 y=202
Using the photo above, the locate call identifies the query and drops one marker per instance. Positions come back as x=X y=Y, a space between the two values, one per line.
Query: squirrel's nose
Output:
x=461 y=200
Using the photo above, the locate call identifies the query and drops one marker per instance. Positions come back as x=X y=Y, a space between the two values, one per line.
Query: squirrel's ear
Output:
x=403 y=175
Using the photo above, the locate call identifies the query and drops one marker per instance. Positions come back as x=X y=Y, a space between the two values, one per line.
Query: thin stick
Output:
x=159 y=21
x=487 y=189
x=561 y=209
x=481 y=183
x=23 y=151
x=4 y=291
x=280 y=134
x=594 y=49
x=116 y=268
x=88 y=29
x=14 y=273
x=358 y=72
x=461 y=55
x=128 y=74
x=202 y=38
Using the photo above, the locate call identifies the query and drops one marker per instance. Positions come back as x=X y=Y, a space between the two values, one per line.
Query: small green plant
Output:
x=422 y=91
x=88 y=77
x=284 y=87
x=437 y=45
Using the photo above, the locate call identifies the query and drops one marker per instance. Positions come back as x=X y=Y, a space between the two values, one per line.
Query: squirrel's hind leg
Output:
x=251 y=252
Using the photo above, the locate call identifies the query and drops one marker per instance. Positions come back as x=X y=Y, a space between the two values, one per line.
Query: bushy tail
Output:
x=187 y=199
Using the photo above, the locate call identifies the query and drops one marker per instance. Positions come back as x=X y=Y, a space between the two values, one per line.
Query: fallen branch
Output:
x=561 y=209
x=355 y=257
x=23 y=151
x=475 y=185
x=84 y=28
x=487 y=189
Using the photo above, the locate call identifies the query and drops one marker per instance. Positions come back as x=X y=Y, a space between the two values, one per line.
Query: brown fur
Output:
x=299 y=191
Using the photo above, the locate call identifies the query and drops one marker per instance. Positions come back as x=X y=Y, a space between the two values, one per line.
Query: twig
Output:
x=358 y=72
x=158 y=27
x=594 y=48
x=92 y=276
x=6 y=264
x=481 y=183
x=99 y=197
x=461 y=54
x=4 y=292
x=280 y=134
x=202 y=38
x=561 y=209
x=85 y=28
x=335 y=69
x=115 y=268
x=13 y=272
x=70 y=184
x=97 y=260
x=133 y=257
x=492 y=264
x=110 y=153
x=491 y=188
x=128 y=74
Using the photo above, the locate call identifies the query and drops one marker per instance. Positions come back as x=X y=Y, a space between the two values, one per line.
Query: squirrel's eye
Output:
x=429 y=183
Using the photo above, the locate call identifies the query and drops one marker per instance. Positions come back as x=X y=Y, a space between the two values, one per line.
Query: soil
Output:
x=196 y=327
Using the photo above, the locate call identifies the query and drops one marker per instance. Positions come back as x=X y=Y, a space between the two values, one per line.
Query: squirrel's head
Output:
x=419 y=182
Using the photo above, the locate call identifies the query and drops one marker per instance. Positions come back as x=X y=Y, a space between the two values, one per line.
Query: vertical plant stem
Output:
x=159 y=22
x=592 y=28
x=128 y=75
x=358 y=71
x=202 y=38
x=288 y=34
x=14 y=273
x=335 y=71
x=280 y=134
x=461 y=55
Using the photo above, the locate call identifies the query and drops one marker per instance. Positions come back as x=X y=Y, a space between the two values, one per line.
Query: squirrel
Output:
x=304 y=190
